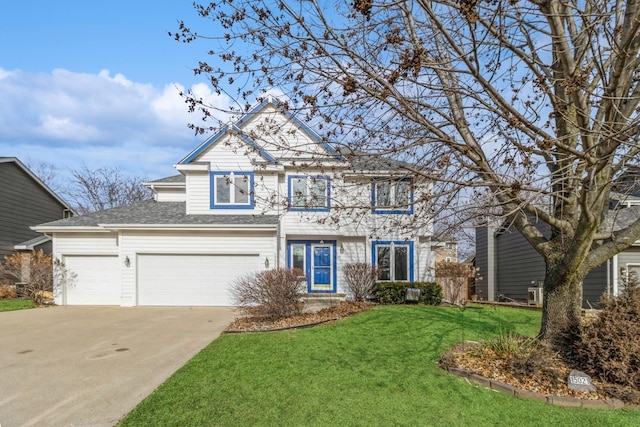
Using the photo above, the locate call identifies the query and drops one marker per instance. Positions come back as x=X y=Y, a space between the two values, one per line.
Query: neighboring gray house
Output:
x=25 y=201
x=509 y=267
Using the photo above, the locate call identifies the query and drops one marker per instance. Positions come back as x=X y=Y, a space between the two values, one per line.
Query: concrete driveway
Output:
x=89 y=366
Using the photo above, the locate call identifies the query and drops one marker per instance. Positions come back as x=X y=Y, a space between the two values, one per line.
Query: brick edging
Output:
x=565 y=401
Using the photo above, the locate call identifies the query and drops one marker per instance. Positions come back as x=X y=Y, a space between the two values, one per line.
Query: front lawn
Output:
x=15 y=304
x=378 y=368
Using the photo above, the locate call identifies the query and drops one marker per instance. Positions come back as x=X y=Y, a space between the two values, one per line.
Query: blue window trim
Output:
x=212 y=190
x=375 y=244
x=326 y=208
x=307 y=267
x=376 y=210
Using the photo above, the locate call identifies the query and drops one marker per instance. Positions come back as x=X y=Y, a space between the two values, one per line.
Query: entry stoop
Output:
x=318 y=300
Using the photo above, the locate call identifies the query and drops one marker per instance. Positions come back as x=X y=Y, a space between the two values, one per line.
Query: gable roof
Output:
x=38 y=181
x=152 y=214
x=237 y=129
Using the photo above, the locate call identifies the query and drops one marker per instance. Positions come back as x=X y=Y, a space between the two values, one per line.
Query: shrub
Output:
x=360 y=279
x=609 y=347
x=7 y=289
x=34 y=272
x=272 y=294
x=394 y=292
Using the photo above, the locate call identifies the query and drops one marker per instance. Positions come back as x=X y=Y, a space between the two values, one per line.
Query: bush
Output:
x=7 y=289
x=609 y=347
x=394 y=292
x=33 y=271
x=360 y=279
x=272 y=294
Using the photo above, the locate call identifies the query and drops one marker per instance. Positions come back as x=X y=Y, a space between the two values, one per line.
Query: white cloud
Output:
x=70 y=118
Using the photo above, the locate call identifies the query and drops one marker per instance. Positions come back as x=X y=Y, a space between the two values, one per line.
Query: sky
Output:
x=97 y=84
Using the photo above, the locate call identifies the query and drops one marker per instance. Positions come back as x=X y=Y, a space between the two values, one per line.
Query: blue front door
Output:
x=321 y=268
x=317 y=259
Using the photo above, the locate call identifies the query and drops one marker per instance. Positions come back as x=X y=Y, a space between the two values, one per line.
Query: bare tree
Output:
x=531 y=106
x=360 y=278
x=104 y=188
x=48 y=173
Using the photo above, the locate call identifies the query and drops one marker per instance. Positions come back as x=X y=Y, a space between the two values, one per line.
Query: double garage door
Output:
x=190 y=280
x=164 y=280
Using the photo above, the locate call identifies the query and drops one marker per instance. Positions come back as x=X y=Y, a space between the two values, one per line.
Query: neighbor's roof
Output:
x=152 y=214
x=37 y=180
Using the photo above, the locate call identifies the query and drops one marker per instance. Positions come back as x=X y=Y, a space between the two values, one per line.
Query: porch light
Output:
x=266 y=262
x=127 y=261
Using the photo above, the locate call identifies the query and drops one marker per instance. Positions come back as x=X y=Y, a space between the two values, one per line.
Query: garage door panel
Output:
x=190 y=280
x=92 y=280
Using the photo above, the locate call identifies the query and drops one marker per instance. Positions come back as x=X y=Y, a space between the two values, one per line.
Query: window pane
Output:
x=383 y=259
x=401 y=262
x=241 y=190
x=299 y=192
x=223 y=194
x=382 y=194
x=297 y=256
x=403 y=189
x=318 y=190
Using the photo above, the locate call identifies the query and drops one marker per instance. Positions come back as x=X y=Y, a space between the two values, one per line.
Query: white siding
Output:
x=281 y=137
x=85 y=243
x=198 y=193
x=171 y=194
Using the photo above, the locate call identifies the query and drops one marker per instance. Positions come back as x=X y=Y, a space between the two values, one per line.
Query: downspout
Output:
x=615 y=275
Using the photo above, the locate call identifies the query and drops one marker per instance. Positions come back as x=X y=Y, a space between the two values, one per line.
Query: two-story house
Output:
x=24 y=202
x=264 y=192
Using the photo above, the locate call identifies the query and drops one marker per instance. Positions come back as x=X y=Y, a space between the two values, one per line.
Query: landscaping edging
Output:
x=565 y=401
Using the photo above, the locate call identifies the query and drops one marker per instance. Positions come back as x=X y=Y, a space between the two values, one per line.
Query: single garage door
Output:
x=92 y=280
x=190 y=280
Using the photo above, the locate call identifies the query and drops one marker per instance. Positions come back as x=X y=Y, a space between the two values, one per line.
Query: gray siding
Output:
x=518 y=264
x=482 y=263
x=594 y=285
x=630 y=256
x=23 y=203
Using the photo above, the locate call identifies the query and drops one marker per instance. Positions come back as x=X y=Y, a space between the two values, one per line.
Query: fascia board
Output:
x=184 y=227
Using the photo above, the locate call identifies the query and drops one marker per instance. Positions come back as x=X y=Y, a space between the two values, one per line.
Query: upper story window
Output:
x=309 y=192
x=392 y=196
x=231 y=190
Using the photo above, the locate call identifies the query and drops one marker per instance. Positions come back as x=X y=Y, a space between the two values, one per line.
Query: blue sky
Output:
x=97 y=83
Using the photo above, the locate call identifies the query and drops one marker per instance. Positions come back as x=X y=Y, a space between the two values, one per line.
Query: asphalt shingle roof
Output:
x=174 y=178
x=163 y=213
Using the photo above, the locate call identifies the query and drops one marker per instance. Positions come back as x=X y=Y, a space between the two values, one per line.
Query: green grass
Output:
x=378 y=368
x=15 y=304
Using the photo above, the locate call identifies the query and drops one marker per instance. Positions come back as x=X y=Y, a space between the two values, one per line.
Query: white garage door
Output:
x=92 y=280
x=190 y=280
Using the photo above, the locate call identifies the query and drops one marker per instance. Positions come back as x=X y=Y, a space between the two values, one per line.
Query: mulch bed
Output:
x=330 y=314
x=548 y=376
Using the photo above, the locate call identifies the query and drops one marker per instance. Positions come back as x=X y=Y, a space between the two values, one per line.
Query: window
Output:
x=392 y=197
x=309 y=193
x=231 y=190
x=394 y=261
x=448 y=245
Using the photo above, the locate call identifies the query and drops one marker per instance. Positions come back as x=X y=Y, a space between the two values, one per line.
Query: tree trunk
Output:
x=562 y=303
